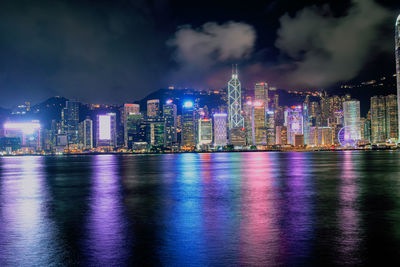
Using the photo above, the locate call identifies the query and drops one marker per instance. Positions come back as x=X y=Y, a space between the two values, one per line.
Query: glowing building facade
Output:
x=391 y=118
x=351 y=119
x=378 y=119
x=235 y=118
x=153 y=108
x=86 y=133
x=170 y=115
x=205 y=131
x=188 y=125
x=71 y=121
x=294 y=123
x=220 y=133
x=106 y=134
x=260 y=131
x=261 y=93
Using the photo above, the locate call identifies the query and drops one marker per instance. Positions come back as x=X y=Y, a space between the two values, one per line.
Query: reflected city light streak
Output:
x=106 y=225
x=24 y=223
x=184 y=236
x=298 y=218
x=258 y=227
x=348 y=217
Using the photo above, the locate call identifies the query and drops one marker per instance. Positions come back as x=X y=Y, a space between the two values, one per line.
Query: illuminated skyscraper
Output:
x=378 y=119
x=261 y=93
x=153 y=108
x=135 y=129
x=397 y=51
x=270 y=118
x=248 y=109
x=294 y=123
x=391 y=117
x=86 y=133
x=188 y=129
x=126 y=110
x=71 y=121
x=281 y=135
x=351 y=116
x=306 y=120
x=170 y=115
x=235 y=118
x=156 y=131
x=260 y=131
x=106 y=134
x=220 y=134
x=205 y=136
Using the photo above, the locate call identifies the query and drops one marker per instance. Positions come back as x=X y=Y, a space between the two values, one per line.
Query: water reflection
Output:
x=259 y=231
x=297 y=222
x=106 y=226
x=348 y=216
x=26 y=232
x=184 y=236
x=221 y=209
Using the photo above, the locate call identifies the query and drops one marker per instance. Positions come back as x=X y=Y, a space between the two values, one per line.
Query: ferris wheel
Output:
x=348 y=136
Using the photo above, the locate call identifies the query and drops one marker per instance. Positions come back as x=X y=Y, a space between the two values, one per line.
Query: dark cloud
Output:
x=326 y=49
x=201 y=52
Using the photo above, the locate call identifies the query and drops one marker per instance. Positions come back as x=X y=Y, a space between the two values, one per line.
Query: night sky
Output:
x=119 y=51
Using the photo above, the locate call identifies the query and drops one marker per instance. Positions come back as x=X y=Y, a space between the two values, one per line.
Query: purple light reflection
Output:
x=259 y=227
x=107 y=244
x=26 y=231
x=297 y=227
x=348 y=215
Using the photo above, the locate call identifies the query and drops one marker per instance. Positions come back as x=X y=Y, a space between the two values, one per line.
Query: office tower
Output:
x=127 y=109
x=156 y=135
x=106 y=134
x=367 y=127
x=294 y=123
x=238 y=137
x=378 y=119
x=170 y=115
x=235 y=118
x=306 y=120
x=391 y=117
x=86 y=133
x=188 y=127
x=248 y=110
x=351 y=116
x=205 y=130
x=220 y=127
x=270 y=128
x=281 y=135
x=71 y=121
x=397 y=52
x=260 y=131
x=153 y=108
x=261 y=94
x=134 y=132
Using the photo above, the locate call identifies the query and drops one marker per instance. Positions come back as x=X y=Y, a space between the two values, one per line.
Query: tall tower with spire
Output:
x=235 y=118
x=397 y=52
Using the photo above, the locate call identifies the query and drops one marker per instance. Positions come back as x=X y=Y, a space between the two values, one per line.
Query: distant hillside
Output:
x=49 y=110
x=179 y=96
